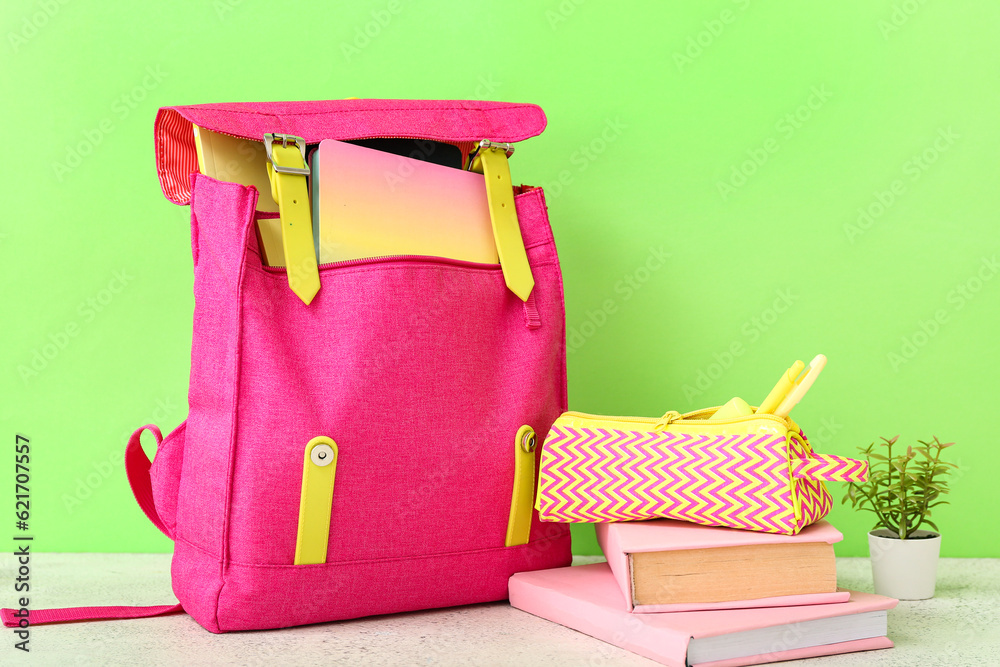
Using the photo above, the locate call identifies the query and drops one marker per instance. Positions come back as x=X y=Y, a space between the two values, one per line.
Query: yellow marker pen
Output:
x=801 y=386
x=781 y=389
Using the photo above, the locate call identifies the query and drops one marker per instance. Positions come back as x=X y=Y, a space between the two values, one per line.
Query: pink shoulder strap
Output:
x=11 y=619
x=137 y=469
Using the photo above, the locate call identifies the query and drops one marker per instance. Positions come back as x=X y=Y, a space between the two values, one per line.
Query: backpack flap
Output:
x=452 y=121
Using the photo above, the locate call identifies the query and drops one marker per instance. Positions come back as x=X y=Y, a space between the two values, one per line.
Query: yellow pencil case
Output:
x=755 y=472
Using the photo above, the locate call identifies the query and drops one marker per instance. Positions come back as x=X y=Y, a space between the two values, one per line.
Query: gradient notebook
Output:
x=586 y=598
x=369 y=203
x=666 y=566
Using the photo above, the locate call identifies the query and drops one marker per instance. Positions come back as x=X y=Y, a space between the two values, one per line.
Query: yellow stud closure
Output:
x=522 y=496
x=316 y=502
x=491 y=161
x=288 y=172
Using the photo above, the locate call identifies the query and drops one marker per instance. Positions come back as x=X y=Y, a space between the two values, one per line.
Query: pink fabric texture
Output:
x=421 y=371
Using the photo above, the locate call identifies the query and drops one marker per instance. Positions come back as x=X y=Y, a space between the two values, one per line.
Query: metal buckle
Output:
x=270 y=138
x=507 y=148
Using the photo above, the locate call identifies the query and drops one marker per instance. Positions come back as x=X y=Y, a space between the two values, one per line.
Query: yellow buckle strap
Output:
x=491 y=161
x=287 y=170
x=522 y=495
x=319 y=471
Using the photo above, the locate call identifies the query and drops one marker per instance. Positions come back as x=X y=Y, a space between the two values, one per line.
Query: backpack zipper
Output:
x=468 y=156
x=381 y=259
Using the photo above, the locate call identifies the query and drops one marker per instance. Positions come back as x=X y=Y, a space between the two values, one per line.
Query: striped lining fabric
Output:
x=176 y=156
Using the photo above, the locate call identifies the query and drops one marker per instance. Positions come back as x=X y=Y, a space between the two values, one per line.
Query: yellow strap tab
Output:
x=316 y=502
x=491 y=162
x=287 y=171
x=522 y=497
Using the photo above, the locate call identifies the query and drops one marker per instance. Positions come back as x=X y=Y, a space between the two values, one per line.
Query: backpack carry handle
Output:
x=137 y=467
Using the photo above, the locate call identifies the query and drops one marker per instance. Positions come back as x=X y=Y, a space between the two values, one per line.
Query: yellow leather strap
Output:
x=522 y=496
x=491 y=162
x=287 y=171
x=319 y=471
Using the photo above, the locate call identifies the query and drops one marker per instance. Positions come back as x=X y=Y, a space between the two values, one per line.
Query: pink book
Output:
x=620 y=541
x=587 y=599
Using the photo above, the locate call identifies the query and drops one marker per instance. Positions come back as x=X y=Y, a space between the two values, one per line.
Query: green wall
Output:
x=822 y=177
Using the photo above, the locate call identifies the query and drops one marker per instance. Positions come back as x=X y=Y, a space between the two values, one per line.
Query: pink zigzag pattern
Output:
x=766 y=483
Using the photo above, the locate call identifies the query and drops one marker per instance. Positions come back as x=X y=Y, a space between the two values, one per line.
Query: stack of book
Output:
x=684 y=594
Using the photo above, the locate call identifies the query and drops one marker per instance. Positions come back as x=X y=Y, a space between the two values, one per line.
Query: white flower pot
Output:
x=904 y=569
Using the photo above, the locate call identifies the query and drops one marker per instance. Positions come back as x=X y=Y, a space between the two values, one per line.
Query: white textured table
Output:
x=958 y=627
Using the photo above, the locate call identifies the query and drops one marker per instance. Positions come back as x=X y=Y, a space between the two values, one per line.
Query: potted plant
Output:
x=902 y=490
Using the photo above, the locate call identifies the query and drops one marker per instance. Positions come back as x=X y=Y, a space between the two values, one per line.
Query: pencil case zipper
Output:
x=687 y=418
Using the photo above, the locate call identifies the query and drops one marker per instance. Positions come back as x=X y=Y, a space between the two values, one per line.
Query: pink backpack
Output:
x=422 y=370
